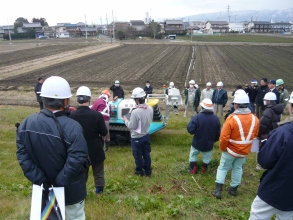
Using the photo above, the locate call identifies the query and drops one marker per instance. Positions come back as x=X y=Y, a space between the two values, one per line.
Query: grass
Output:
x=238 y=38
x=171 y=193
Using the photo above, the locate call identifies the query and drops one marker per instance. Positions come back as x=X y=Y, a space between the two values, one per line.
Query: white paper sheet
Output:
x=255 y=145
x=36 y=204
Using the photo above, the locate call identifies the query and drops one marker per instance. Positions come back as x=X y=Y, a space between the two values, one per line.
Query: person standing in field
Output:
x=117 y=90
x=207 y=93
x=38 y=88
x=51 y=148
x=171 y=86
x=261 y=91
x=252 y=91
x=192 y=97
x=274 y=196
x=103 y=106
x=284 y=95
x=219 y=99
x=236 y=138
x=205 y=127
x=273 y=88
x=94 y=129
x=290 y=106
x=139 y=124
x=148 y=88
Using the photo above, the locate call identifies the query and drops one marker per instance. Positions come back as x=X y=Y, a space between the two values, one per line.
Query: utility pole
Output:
x=101 y=26
x=107 y=25
x=9 y=32
x=85 y=27
x=113 y=26
x=228 y=9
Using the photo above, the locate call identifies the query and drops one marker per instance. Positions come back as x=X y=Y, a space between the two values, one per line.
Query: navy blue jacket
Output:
x=220 y=97
x=94 y=129
x=44 y=158
x=117 y=91
x=275 y=90
x=260 y=94
x=148 y=90
x=276 y=156
x=205 y=127
x=38 y=88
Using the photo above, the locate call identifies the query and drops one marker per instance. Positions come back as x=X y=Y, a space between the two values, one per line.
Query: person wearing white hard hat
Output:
x=94 y=127
x=138 y=124
x=171 y=86
x=236 y=138
x=207 y=93
x=205 y=128
x=284 y=94
x=192 y=97
x=117 y=90
x=219 y=99
x=52 y=150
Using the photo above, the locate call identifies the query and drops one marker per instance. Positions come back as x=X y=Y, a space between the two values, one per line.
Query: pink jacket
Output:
x=100 y=106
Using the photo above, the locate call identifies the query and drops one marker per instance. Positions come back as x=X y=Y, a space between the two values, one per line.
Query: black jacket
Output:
x=269 y=119
x=148 y=90
x=251 y=91
x=38 y=88
x=205 y=127
x=220 y=97
x=275 y=90
x=94 y=128
x=117 y=91
x=276 y=156
x=44 y=158
x=260 y=94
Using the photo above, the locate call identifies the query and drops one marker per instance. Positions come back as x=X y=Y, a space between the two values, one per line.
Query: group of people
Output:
x=240 y=130
x=81 y=138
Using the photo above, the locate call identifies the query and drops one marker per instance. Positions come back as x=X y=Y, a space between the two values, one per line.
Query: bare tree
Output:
x=155 y=27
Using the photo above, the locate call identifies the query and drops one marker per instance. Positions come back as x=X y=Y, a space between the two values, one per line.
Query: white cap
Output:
x=192 y=82
x=138 y=93
x=220 y=84
x=209 y=84
x=171 y=84
x=83 y=90
x=241 y=98
x=56 y=87
x=270 y=96
x=207 y=104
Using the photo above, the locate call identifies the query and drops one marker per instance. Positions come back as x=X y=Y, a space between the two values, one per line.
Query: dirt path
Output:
x=21 y=68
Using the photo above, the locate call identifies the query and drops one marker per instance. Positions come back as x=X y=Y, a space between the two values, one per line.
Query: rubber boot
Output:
x=232 y=191
x=99 y=190
x=106 y=146
x=204 y=168
x=192 y=168
x=218 y=191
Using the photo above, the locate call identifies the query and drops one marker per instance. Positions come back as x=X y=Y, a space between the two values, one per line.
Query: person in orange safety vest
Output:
x=236 y=139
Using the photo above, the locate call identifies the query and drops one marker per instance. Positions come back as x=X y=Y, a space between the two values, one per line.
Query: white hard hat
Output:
x=117 y=82
x=171 y=84
x=220 y=84
x=241 y=98
x=270 y=96
x=192 y=82
x=290 y=99
x=84 y=90
x=138 y=93
x=239 y=91
x=207 y=104
x=56 y=87
x=209 y=84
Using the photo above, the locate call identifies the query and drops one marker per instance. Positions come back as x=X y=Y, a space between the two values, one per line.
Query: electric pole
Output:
x=113 y=26
x=9 y=32
x=228 y=9
x=107 y=25
x=85 y=27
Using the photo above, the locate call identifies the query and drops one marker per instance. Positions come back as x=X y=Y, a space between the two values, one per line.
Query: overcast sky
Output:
x=73 y=11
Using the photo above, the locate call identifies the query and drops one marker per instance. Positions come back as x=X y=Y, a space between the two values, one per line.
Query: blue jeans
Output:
x=206 y=156
x=141 y=149
x=227 y=162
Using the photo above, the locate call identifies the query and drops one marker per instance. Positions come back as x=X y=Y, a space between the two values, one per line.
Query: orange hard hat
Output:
x=106 y=92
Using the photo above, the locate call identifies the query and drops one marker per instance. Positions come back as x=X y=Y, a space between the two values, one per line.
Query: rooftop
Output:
x=32 y=25
x=136 y=22
x=218 y=22
x=170 y=22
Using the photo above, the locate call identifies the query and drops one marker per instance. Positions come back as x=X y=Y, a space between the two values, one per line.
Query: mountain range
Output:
x=245 y=15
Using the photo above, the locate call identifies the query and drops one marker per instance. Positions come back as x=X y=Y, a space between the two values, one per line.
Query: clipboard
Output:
x=127 y=116
x=255 y=145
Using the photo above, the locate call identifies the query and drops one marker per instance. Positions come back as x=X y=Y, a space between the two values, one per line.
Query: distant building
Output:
x=236 y=27
x=195 y=27
x=280 y=27
x=174 y=27
x=8 y=28
x=260 y=27
x=1 y=32
x=137 y=24
x=90 y=31
x=217 y=26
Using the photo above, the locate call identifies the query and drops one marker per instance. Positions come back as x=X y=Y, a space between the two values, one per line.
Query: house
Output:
x=117 y=26
x=280 y=27
x=174 y=27
x=50 y=32
x=61 y=32
x=139 y=25
x=195 y=27
x=36 y=26
x=260 y=27
x=217 y=26
x=89 y=31
x=236 y=27
x=8 y=28
x=1 y=32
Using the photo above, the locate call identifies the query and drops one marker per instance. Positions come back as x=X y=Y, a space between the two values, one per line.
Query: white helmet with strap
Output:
x=56 y=87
